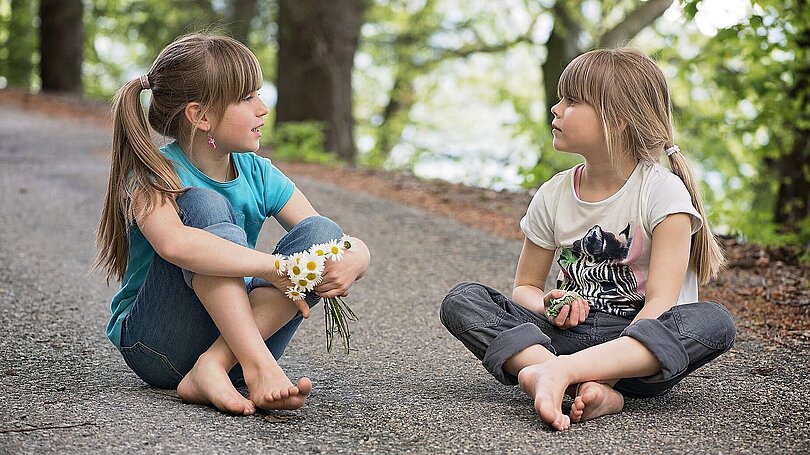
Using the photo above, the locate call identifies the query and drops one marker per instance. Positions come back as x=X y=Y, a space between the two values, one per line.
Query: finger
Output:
x=573 y=315
x=561 y=318
x=303 y=307
x=584 y=313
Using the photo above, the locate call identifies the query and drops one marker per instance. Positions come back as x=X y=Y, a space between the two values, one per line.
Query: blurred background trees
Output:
x=460 y=89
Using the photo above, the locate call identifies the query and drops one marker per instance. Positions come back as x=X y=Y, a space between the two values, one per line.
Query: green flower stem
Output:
x=337 y=315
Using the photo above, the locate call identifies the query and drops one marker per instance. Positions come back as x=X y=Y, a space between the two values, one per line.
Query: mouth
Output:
x=555 y=128
x=256 y=130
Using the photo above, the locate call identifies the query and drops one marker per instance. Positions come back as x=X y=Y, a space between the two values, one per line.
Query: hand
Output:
x=570 y=315
x=282 y=283
x=338 y=277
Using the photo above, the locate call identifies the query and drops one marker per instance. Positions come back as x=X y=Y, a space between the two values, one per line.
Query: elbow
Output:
x=170 y=250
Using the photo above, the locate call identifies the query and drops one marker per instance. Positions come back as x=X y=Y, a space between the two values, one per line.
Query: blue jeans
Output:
x=494 y=328
x=168 y=327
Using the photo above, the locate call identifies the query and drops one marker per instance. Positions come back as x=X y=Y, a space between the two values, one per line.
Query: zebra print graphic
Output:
x=594 y=268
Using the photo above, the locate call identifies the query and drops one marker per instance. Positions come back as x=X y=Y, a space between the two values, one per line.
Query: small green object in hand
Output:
x=556 y=305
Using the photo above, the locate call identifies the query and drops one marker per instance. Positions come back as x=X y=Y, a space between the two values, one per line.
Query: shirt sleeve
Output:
x=538 y=223
x=278 y=188
x=670 y=196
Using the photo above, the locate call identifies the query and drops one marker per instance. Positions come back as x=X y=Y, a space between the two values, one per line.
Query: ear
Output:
x=195 y=116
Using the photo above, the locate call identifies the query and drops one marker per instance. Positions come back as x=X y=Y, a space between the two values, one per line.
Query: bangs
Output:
x=584 y=78
x=236 y=71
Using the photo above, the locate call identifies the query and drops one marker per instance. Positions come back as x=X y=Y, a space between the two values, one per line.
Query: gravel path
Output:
x=408 y=388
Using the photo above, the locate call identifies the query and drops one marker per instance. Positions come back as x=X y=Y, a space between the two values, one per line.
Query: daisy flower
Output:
x=294 y=268
x=321 y=249
x=279 y=263
x=294 y=293
x=345 y=242
x=334 y=250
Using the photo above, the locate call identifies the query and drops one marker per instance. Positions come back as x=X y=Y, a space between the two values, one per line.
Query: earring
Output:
x=212 y=142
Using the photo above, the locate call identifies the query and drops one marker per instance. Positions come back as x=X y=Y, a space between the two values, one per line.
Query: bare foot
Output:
x=595 y=400
x=208 y=383
x=547 y=386
x=273 y=390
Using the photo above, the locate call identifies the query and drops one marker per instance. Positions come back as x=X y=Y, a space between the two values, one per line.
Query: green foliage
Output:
x=18 y=42
x=300 y=141
x=743 y=110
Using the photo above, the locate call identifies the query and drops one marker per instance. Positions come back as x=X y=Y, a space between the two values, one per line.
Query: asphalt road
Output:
x=409 y=387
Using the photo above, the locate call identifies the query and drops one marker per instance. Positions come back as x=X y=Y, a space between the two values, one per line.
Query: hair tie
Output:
x=145 y=82
x=671 y=150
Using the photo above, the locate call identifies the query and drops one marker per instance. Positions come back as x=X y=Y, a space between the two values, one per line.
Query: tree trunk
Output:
x=61 y=45
x=317 y=41
x=242 y=13
x=793 y=169
x=561 y=48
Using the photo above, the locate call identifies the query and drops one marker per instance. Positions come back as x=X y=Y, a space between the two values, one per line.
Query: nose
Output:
x=555 y=109
x=262 y=108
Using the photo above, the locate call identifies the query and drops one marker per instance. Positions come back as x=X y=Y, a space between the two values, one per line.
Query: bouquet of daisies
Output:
x=305 y=271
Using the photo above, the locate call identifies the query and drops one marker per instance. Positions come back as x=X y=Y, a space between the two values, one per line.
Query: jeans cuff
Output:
x=509 y=343
x=663 y=344
x=311 y=297
x=227 y=231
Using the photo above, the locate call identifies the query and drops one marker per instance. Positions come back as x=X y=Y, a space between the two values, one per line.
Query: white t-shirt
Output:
x=603 y=248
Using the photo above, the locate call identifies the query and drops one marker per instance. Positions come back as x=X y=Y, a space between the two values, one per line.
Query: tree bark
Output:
x=793 y=169
x=242 y=14
x=61 y=45
x=636 y=21
x=317 y=41
x=562 y=47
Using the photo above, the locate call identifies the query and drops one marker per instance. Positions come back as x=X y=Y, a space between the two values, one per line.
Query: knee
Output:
x=460 y=303
x=310 y=231
x=725 y=328
x=202 y=207
x=320 y=229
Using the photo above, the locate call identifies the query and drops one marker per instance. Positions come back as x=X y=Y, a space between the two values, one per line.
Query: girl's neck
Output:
x=211 y=163
x=601 y=179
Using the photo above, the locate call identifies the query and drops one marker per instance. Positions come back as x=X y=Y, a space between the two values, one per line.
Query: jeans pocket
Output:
x=151 y=366
x=708 y=323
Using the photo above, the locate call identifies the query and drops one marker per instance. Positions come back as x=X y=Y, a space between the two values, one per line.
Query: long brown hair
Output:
x=212 y=70
x=630 y=94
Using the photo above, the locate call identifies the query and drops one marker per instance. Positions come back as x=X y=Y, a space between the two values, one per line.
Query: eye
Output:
x=570 y=101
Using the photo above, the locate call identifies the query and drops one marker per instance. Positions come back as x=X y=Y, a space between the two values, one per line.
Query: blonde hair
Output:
x=630 y=94
x=212 y=70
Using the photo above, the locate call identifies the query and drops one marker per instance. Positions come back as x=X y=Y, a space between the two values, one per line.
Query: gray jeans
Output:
x=494 y=328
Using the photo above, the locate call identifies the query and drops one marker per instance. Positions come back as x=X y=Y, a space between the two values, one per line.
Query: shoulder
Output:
x=664 y=193
x=657 y=177
x=561 y=181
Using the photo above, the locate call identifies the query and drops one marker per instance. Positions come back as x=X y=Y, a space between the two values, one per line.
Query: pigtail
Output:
x=137 y=168
x=707 y=257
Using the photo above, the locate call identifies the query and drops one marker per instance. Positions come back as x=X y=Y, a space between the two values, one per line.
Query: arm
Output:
x=669 y=260
x=197 y=250
x=532 y=270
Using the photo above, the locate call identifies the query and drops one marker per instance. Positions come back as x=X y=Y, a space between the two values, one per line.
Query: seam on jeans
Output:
x=477 y=325
x=162 y=357
x=711 y=344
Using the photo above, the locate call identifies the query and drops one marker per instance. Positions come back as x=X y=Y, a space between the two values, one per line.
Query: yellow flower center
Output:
x=296 y=270
x=302 y=283
x=311 y=276
x=311 y=265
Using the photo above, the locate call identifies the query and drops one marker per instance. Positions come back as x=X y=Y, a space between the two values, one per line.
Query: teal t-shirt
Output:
x=259 y=191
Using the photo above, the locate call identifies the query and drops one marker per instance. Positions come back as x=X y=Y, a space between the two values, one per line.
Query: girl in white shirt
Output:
x=630 y=237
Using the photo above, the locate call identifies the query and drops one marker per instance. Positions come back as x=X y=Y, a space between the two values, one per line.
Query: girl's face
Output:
x=239 y=128
x=577 y=128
